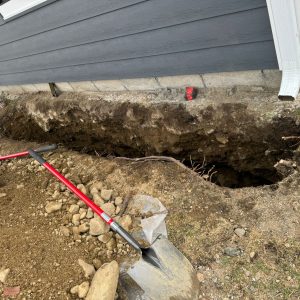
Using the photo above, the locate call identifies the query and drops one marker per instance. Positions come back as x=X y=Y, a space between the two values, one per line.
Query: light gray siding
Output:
x=75 y=40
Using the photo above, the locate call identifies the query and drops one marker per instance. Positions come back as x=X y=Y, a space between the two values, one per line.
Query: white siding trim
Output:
x=285 y=28
x=15 y=7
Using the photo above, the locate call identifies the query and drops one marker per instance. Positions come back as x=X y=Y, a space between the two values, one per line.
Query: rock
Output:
x=104 y=283
x=97 y=227
x=76 y=219
x=74 y=290
x=200 y=277
x=96 y=186
x=2 y=195
x=111 y=244
x=126 y=222
x=83 y=289
x=104 y=238
x=253 y=255
x=3 y=274
x=118 y=200
x=97 y=263
x=82 y=188
x=118 y=209
x=74 y=209
x=83 y=228
x=109 y=208
x=65 y=231
x=53 y=207
x=232 y=251
x=89 y=214
x=240 y=232
x=106 y=194
x=88 y=269
x=20 y=186
x=97 y=199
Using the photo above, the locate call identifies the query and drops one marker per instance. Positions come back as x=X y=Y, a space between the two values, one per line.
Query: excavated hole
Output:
x=226 y=176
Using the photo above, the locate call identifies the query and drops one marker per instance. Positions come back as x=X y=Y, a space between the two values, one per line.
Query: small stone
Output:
x=240 y=232
x=106 y=194
x=118 y=200
x=89 y=214
x=97 y=199
x=97 y=263
x=232 y=251
x=105 y=282
x=88 y=269
x=97 y=227
x=126 y=222
x=252 y=255
x=200 y=277
x=65 y=231
x=109 y=208
x=20 y=186
x=96 y=186
x=82 y=188
x=118 y=209
x=76 y=219
x=83 y=228
x=2 y=195
x=74 y=209
x=104 y=238
x=111 y=244
x=83 y=289
x=3 y=274
x=53 y=207
x=74 y=290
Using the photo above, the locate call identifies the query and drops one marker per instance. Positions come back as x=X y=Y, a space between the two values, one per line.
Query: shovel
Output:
x=162 y=272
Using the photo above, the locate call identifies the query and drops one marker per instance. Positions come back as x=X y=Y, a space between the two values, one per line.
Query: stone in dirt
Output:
x=2 y=195
x=74 y=209
x=118 y=200
x=53 y=207
x=109 y=208
x=106 y=194
x=83 y=289
x=240 y=232
x=88 y=269
x=126 y=222
x=230 y=251
x=97 y=227
x=104 y=283
x=3 y=274
x=83 y=228
x=82 y=188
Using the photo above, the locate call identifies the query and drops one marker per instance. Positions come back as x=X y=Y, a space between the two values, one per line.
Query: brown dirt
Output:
x=201 y=222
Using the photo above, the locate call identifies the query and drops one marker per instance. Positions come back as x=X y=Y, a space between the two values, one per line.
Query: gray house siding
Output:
x=75 y=40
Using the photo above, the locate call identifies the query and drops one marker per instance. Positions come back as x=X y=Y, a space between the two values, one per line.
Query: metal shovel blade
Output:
x=174 y=279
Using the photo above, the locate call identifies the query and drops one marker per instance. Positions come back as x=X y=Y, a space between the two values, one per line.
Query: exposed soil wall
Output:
x=242 y=131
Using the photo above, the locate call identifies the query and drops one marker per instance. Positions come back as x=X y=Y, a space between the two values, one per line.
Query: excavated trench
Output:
x=234 y=141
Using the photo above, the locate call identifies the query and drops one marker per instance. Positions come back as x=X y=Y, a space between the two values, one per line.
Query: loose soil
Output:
x=201 y=222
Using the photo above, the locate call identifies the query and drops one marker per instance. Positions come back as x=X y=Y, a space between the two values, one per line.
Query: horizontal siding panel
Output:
x=191 y=36
x=134 y=19
x=57 y=14
x=240 y=57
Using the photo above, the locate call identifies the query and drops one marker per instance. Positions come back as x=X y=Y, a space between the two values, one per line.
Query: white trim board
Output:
x=285 y=28
x=15 y=7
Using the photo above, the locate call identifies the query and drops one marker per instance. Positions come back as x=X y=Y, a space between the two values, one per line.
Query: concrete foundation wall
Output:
x=265 y=78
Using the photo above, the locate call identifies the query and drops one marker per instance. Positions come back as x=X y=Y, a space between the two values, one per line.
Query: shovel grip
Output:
x=46 y=148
